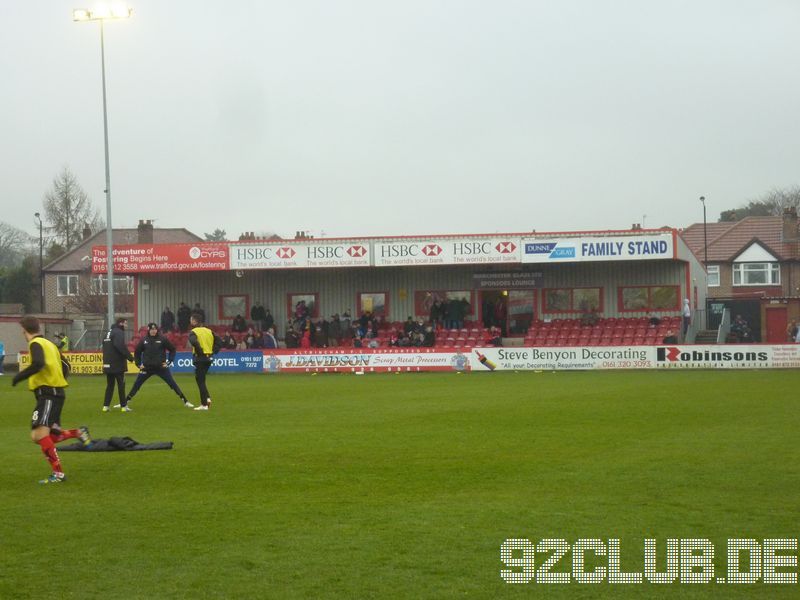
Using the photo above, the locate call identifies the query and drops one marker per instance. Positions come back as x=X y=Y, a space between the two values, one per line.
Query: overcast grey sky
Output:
x=367 y=117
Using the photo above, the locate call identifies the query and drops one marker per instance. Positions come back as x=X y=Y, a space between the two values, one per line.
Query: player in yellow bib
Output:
x=204 y=345
x=46 y=380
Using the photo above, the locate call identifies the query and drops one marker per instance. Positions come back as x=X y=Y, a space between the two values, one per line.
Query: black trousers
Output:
x=200 y=370
x=119 y=378
x=163 y=372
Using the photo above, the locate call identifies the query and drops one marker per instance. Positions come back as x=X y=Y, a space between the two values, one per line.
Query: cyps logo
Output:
x=194 y=252
x=506 y=247
x=285 y=252
x=432 y=250
x=357 y=251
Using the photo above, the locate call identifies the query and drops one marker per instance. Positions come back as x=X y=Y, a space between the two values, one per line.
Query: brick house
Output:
x=69 y=286
x=753 y=269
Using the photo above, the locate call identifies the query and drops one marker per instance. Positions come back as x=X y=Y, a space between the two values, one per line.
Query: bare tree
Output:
x=771 y=203
x=68 y=210
x=14 y=245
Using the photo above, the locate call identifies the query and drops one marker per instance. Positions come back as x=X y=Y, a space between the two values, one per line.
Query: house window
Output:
x=573 y=300
x=302 y=304
x=756 y=274
x=713 y=276
x=67 y=285
x=123 y=285
x=231 y=306
x=376 y=303
x=647 y=298
x=424 y=299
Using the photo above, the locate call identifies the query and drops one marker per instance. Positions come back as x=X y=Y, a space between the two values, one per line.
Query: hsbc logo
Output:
x=285 y=252
x=432 y=250
x=505 y=247
x=357 y=251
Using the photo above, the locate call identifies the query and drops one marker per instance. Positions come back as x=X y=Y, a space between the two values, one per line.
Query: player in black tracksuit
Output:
x=154 y=354
x=115 y=364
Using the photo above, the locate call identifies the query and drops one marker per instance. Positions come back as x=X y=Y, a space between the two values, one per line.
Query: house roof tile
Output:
x=75 y=259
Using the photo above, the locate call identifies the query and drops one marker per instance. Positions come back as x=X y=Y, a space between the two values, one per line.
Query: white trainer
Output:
x=201 y=407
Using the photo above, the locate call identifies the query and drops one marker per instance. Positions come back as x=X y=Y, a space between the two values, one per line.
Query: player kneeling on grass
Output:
x=204 y=345
x=154 y=354
x=46 y=377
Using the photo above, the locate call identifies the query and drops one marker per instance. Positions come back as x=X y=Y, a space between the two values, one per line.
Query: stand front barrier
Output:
x=569 y=358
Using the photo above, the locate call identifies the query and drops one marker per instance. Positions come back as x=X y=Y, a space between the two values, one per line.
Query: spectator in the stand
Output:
x=420 y=327
x=62 y=342
x=269 y=321
x=493 y=337
x=487 y=312
x=258 y=315
x=653 y=321
x=167 y=321
x=258 y=340
x=590 y=318
x=320 y=336
x=409 y=326
x=403 y=340
x=437 y=313
x=292 y=339
x=334 y=331
x=184 y=312
x=346 y=323
x=741 y=328
x=269 y=339
x=301 y=311
x=199 y=311
x=305 y=341
x=670 y=338
x=466 y=310
x=249 y=340
x=323 y=332
x=500 y=314
x=452 y=313
x=228 y=343
x=791 y=332
x=429 y=337
x=239 y=324
x=417 y=338
x=686 y=313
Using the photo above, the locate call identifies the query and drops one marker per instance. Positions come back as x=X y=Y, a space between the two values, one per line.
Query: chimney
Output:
x=87 y=232
x=789 y=232
x=145 y=232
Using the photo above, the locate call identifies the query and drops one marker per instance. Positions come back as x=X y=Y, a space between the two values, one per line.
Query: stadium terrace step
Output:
x=706 y=337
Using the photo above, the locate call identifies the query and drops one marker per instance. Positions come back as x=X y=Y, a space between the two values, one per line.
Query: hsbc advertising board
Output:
x=589 y=249
x=155 y=258
x=447 y=251
x=292 y=255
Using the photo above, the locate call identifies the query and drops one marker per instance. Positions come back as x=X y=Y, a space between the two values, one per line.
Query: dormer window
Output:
x=756 y=266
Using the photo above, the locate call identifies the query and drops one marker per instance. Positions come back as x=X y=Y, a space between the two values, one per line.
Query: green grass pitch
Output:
x=396 y=486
